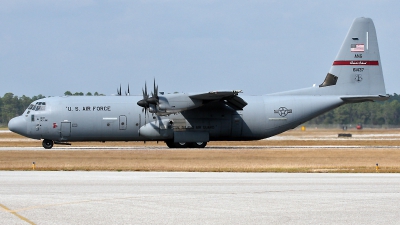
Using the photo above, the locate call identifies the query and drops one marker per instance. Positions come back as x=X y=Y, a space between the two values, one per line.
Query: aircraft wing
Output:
x=230 y=98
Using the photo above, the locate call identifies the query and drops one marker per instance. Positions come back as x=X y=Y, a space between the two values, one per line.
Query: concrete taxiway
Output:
x=36 y=197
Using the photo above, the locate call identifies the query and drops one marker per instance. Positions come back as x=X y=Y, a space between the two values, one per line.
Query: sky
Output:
x=49 y=47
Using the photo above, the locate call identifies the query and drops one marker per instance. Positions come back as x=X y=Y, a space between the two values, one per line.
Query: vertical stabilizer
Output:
x=357 y=69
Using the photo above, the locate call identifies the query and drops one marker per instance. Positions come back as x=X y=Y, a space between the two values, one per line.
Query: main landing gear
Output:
x=172 y=144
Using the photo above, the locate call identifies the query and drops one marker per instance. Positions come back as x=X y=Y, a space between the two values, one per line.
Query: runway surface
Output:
x=36 y=197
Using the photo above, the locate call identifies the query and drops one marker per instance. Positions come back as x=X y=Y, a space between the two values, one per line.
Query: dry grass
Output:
x=268 y=159
x=259 y=160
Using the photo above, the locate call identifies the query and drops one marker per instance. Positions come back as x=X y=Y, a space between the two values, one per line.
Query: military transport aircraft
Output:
x=191 y=120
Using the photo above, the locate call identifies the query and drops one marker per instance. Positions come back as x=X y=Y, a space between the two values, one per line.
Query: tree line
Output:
x=367 y=113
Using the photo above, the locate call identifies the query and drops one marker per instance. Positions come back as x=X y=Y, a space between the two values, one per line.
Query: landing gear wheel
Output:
x=181 y=145
x=47 y=144
x=172 y=144
x=199 y=144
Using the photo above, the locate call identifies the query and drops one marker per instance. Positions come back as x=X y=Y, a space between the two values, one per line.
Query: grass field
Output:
x=292 y=151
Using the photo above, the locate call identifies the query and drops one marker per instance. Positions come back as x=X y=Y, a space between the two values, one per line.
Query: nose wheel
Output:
x=47 y=144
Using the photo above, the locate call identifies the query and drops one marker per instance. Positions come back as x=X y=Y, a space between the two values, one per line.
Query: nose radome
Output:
x=17 y=125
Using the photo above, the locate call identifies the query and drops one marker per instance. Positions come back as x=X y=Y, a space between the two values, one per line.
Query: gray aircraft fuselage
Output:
x=118 y=118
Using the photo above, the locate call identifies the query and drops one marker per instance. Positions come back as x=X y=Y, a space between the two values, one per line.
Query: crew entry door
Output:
x=65 y=129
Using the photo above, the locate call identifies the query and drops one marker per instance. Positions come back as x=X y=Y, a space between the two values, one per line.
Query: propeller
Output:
x=147 y=101
x=119 y=91
x=144 y=102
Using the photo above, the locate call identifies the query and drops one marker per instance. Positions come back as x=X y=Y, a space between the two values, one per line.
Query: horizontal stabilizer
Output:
x=372 y=98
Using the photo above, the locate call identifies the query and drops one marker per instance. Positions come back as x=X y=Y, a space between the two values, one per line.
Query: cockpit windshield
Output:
x=39 y=106
x=30 y=106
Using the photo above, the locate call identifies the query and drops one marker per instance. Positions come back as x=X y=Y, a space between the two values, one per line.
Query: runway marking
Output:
x=16 y=214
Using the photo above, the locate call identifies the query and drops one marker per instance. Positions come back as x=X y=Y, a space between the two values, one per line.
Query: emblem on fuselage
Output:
x=283 y=111
x=358 y=77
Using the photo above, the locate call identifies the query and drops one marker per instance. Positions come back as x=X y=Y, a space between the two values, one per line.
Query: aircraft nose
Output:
x=17 y=125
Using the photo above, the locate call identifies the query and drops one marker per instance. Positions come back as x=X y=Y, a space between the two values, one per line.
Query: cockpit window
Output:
x=31 y=106
x=39 y=106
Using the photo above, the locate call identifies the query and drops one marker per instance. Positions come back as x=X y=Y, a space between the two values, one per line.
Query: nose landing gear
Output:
x=47 y=144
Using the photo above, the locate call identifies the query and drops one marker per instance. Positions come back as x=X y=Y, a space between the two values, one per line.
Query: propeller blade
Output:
x=119 y=91
x=145 y=89
x=154 y=94
x=155 y=89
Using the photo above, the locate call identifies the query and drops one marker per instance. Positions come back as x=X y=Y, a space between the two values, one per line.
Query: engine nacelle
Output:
x=156 y=130
x=174 y=103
